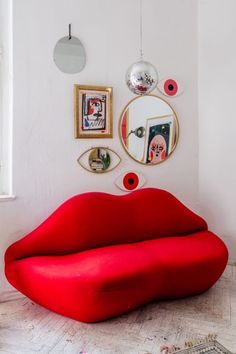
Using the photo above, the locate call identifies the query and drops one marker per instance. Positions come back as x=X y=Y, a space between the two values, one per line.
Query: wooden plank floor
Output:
x=27 y=328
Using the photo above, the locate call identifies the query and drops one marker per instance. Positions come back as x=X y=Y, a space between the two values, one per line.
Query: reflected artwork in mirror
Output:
x=99 y=159
x=149 y=129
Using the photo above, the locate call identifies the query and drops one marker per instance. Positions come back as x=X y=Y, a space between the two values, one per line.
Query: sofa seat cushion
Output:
x=103 y=282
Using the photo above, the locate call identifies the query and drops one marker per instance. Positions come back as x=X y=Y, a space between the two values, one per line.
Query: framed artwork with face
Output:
x=159 y=139
x=93 y=111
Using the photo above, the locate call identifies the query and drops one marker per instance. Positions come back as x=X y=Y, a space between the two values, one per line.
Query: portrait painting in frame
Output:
x=93 y=111
x=159 y=139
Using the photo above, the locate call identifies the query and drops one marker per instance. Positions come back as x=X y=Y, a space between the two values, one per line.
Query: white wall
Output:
x=5 y=97
x=45 y=171
x=217 y=117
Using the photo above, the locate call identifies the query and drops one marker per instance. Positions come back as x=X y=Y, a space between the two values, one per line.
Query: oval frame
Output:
x=98 y=147
x=177 y=130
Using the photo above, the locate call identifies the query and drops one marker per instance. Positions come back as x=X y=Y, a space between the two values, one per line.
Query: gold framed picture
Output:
x=93 y=111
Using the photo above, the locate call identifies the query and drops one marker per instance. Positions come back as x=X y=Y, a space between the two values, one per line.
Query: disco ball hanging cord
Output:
x=142 y=76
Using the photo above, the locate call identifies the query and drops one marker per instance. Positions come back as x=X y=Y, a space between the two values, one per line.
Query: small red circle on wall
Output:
x=170 y=87
x=130 y=181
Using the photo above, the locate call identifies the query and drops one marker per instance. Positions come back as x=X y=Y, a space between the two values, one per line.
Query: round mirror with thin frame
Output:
x=69 y=55
x=149 y=129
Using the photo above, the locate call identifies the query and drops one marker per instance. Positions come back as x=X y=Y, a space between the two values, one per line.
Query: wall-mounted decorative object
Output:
x=149 y=129
x=69 y=54
x=130 y=181
x=99 y=159
x=170 y=87
x=93 y=111
x=141 y=77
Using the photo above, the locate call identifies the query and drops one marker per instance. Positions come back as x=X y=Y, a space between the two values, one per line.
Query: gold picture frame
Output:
x=93 y=111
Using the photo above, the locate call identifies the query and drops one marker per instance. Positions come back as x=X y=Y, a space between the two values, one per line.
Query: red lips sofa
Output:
x=100 y=255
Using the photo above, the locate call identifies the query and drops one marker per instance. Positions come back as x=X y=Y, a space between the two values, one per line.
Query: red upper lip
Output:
x=73 y=226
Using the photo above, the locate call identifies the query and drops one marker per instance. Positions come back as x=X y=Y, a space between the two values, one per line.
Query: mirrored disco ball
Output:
x=141 y=77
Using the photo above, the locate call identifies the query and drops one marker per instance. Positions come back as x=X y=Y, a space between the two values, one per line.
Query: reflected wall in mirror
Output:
x=149 y=129
x=69 y=55
x=99 y=159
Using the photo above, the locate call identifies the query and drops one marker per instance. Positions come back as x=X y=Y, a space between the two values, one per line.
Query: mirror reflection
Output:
x=149 y=129
x=99 y=160
x=69 y=55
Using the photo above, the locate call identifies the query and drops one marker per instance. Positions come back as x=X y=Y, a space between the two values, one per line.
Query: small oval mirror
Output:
x=99 y=159
x=69 y=55
x=149 y=129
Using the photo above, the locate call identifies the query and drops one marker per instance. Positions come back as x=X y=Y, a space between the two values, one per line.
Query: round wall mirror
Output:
x=149 y=129
x=69 y=55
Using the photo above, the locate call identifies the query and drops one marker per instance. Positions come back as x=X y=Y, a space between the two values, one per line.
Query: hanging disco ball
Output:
x=141 y=77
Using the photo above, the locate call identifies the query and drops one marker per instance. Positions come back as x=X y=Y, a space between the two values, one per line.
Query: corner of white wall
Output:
x=217 y=120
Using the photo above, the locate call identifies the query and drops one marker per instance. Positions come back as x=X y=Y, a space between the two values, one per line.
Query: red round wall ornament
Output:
x=130 y=181
x=170 y=87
